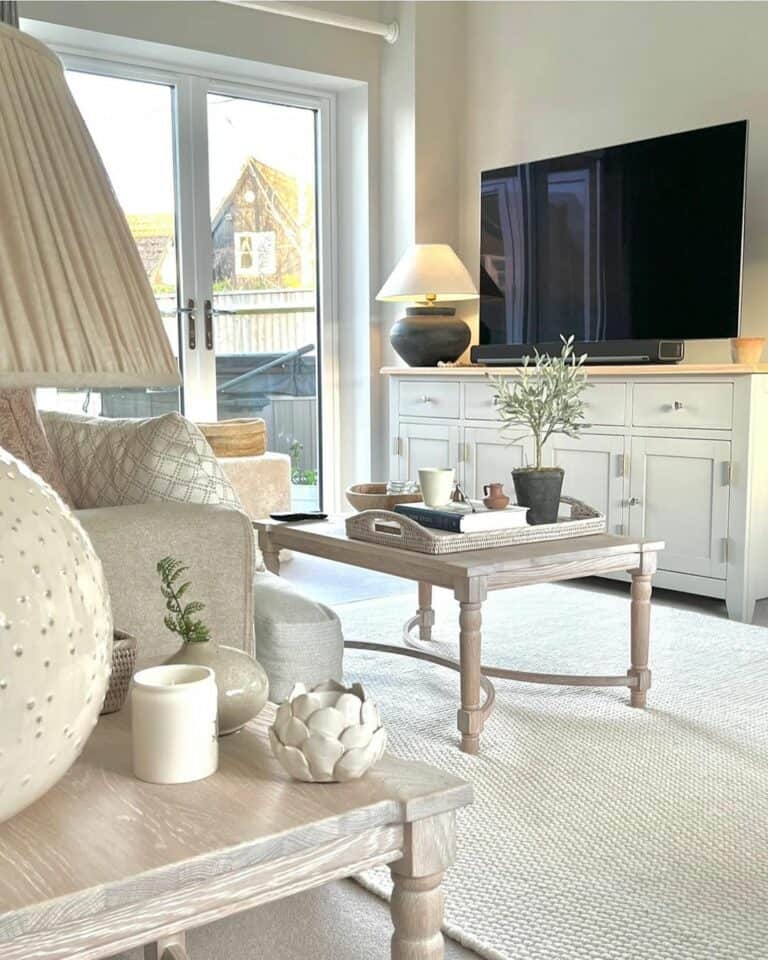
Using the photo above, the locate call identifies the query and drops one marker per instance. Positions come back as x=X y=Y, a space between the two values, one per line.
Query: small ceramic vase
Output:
x=747 y=350
x=326 y=734
x=495 y=498
x=242 y=684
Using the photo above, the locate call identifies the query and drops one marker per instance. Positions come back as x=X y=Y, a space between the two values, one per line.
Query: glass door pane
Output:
x=132 y=125
x=265 y=317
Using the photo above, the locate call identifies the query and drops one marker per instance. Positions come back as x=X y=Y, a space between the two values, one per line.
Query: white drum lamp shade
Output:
x=76 y=308
x=429 y=272
x=431 y=275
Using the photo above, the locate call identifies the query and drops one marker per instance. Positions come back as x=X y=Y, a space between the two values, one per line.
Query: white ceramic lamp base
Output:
x=55 y=637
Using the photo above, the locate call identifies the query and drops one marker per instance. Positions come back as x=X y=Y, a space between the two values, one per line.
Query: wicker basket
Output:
x=123 y=665
x=396 y=530
x=246 y=437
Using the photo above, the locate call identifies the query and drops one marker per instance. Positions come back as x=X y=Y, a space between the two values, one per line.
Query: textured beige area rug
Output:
x=598 y=831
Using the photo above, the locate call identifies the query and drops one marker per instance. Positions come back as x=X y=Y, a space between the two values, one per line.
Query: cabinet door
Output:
x=594 y=473
x=426 y=445
x=679 y=493
x=488 y=457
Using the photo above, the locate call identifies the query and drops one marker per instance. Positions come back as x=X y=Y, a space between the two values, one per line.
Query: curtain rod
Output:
x=389 y=31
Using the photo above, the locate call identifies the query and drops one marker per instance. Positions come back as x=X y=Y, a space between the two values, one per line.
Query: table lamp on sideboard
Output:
x=76 y=310
x=431 y=275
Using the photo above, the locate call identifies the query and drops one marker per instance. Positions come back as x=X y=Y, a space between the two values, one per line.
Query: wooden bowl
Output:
x=374 y=496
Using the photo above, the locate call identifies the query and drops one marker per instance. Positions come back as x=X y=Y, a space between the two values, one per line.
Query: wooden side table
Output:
x=471 y=576
x=104 y=862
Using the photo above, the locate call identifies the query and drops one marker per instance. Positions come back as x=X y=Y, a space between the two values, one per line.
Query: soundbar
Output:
x=618 y=352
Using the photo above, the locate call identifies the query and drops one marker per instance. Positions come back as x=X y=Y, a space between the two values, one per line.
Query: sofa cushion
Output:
x=22 y=434
x=117 y=462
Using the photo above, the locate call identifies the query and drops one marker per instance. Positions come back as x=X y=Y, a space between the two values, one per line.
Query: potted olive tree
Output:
x=543 y=400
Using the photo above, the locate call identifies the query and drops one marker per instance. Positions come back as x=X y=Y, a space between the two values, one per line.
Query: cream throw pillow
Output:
x=111 y=463
x=22 y=434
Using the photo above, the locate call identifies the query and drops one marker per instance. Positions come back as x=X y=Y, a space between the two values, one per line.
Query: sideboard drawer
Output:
x=605 y=404
x=480 y=401
x=676 y=404
x=426 y=398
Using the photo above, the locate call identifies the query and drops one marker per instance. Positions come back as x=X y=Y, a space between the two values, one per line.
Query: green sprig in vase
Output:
x=241 y=681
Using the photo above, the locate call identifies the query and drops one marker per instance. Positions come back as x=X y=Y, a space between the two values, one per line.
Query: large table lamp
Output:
x=431 y=275
x=76 y=310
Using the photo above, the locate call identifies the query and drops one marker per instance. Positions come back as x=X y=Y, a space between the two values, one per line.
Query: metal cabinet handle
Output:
x=496 y=400
x=425 y=398
x=634 y=501
x=678 y=405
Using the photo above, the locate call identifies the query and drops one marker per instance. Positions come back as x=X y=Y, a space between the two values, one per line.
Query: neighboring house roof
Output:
x=275 y=188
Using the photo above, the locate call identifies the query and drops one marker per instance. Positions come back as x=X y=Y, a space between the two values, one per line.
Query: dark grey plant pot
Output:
x=539 y=490
x=427 y=335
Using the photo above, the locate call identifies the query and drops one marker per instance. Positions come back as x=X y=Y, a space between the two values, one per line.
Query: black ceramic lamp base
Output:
x=425 y=336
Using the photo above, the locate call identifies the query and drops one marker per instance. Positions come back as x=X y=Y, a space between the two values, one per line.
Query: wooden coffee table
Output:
x=104 y=862
x=470 y=576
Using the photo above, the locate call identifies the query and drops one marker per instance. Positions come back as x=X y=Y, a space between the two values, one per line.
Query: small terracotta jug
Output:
x=495 y=498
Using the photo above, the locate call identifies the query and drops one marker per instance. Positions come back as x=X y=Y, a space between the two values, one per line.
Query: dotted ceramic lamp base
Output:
x=55 y=637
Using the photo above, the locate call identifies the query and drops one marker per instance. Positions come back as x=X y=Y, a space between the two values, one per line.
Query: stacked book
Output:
x=470 y=517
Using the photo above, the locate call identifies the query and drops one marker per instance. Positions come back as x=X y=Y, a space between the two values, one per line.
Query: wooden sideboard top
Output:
x=628 y=370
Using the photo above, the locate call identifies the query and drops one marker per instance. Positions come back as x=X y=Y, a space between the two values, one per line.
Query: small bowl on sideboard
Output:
x=374 y=496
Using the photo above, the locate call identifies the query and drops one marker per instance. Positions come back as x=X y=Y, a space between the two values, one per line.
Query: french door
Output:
x=225 y=190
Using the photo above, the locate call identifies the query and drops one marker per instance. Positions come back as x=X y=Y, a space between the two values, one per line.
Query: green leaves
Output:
x=179 y=618
x=545 y=398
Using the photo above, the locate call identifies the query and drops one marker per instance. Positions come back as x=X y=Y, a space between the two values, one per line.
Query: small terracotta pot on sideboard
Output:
x=747 y=350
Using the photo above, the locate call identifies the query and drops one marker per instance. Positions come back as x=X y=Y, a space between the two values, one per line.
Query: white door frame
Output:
x=192 y=85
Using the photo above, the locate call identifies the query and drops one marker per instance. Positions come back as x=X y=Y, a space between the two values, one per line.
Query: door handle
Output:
x=634 y=501
x=189 y=310
x=209 y=311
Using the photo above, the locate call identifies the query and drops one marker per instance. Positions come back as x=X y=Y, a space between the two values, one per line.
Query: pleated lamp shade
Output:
x=76 y=308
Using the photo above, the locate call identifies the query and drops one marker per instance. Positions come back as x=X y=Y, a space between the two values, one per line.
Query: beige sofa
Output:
x=215 y=542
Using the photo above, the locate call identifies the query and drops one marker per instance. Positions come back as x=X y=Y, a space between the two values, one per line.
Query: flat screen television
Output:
x=641 y=241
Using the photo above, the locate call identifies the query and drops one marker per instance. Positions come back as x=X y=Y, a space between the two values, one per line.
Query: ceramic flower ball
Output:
x=55 y=637
x=327 y=734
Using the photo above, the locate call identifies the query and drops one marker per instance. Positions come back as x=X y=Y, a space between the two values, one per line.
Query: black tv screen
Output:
x=637 y=241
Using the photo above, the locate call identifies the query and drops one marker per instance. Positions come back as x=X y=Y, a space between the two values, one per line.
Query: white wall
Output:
x=544 y=79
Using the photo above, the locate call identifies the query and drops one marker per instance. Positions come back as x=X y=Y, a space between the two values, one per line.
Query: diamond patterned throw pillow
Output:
x=110 y=463
x=23 y=436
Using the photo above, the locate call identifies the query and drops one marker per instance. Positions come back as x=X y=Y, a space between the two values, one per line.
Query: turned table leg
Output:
x=640 y=613
x=471 y=716
x=417 y=898
x=269 y=551
x=425 y=612
x=168 y=948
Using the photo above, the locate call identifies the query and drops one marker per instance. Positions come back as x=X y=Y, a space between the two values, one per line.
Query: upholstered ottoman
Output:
x=297 y=639
x=263 y=483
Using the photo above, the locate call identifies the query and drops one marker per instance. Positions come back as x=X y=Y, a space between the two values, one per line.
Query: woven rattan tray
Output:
x=394 y=530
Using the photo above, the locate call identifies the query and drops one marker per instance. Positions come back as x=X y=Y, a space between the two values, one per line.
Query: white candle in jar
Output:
x=173 y=724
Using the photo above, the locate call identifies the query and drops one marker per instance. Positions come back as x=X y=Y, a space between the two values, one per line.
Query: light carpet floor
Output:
x=598 y=831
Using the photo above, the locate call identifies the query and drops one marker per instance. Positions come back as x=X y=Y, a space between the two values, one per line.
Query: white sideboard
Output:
x=677 y=453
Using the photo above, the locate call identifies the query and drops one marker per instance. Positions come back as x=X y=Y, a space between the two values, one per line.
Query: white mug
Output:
x=173 y=724
x=436 y=485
